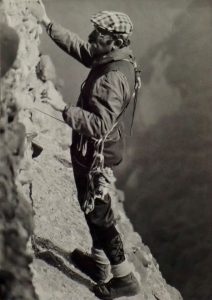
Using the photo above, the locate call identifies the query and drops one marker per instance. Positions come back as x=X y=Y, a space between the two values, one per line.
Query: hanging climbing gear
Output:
x=100 y=178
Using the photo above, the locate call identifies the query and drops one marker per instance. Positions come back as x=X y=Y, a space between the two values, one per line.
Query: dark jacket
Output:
x=104 y=95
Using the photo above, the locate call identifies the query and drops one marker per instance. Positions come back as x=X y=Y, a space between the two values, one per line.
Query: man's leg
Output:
x=105 y=238
x=96 y=264
x=101 y=220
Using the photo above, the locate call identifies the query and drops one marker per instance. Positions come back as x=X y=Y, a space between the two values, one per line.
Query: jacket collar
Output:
x=119 y=54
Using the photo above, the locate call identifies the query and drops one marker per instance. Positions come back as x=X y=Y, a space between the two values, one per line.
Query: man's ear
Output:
x=118 y=43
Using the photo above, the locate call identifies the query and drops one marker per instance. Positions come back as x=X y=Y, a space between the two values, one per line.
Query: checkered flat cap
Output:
x=114 y=22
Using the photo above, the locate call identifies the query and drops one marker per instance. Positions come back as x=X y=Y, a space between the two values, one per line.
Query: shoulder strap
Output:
x=134 y=79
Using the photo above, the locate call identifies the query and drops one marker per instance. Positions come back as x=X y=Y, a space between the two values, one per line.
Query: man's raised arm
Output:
x=68 y=41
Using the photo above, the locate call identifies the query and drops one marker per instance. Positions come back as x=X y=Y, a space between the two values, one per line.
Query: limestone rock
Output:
x=45 y=69
x=9 y=42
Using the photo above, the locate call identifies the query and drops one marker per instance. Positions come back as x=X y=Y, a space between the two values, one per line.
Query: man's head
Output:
x=111 y=31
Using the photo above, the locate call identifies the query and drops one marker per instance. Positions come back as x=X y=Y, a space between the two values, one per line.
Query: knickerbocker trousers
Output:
x=100 y=221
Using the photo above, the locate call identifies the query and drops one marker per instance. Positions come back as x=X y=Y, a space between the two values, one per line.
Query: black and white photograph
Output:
x=105 y=149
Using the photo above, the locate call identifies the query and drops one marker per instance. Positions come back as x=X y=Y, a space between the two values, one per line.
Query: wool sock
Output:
x=122 y=269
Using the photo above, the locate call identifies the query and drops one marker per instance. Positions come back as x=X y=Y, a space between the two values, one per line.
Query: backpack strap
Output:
x=134 y=80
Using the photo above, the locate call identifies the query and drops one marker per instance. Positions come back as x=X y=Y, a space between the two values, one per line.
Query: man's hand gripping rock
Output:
x=39 y=12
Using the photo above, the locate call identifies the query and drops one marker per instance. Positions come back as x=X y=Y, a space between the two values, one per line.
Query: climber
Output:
x=97 y=141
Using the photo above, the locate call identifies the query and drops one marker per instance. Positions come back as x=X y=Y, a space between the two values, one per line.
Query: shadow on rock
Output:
x=58 y=258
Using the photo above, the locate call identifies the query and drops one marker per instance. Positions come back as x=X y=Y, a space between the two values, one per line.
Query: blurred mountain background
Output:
x=167 y=172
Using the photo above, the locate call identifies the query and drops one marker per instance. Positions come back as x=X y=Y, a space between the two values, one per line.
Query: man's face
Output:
x=101 y=42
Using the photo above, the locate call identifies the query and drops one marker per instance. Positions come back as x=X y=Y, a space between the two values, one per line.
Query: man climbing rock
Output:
x=97 y=142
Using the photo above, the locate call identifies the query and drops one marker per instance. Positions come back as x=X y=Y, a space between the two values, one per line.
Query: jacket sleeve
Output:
x=71 y=43
x=107 y=102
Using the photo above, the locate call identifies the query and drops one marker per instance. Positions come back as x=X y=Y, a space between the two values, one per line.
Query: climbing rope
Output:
x=48 y=115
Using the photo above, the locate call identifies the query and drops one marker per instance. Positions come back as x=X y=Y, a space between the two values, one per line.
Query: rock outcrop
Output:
x=45 y=180
x=16 y=224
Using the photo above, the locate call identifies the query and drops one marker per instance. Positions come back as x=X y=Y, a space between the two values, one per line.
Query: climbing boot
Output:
x=117 y=287
x=87 y=264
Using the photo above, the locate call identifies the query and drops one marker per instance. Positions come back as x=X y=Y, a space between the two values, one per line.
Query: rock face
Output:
x=44 y=179
x=9 y=47
x=16 y=224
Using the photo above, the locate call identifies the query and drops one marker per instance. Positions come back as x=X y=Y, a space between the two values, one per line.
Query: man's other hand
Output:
x=54 y=104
